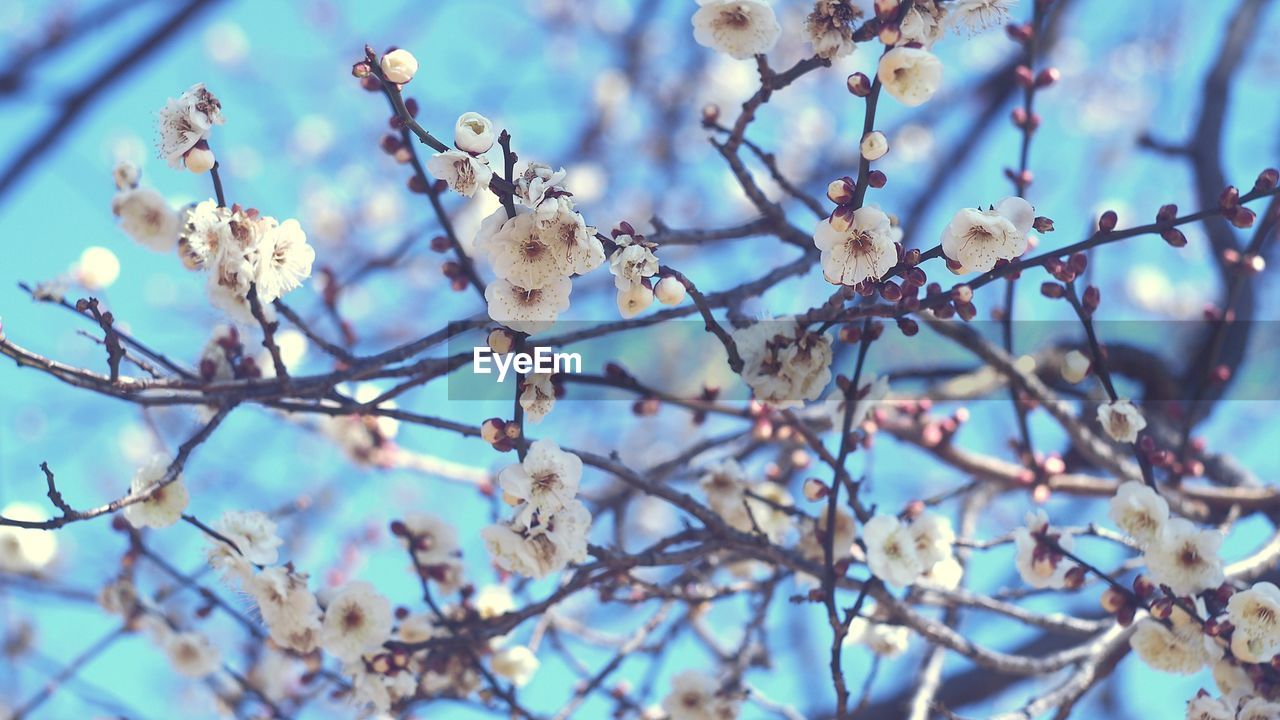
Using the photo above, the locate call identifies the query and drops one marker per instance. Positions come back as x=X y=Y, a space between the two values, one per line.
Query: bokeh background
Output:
x=613 y=91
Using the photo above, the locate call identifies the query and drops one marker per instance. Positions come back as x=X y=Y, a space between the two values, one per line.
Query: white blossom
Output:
x=812 y=545
x=1038 y=562
x=738 y=28
x=1179 y=650
x=539 y=551
x=24 y=549
x=288 y=608
x=1139 y=512
x=784 y=365
x=527 y=310
x=830 y=28
x=147 y=218
x=669 y=291
x=1185 y=557
x=97 y=269
x=256 y=543
x=537 y=396
x=547 y=478
x=1204 y=707
x=399 y=66
x=516 y=663
x=192 y=655
x=1121 y=420
x=634 y=300
x=978 y=15
x=542 y=190
x=946 y=574
x=865 y=250
x=923 y=24
x=519 y=252
x=933 y=538
x=357 y=620
x=473 y=133
x=976 y=238
x=494 y=600
x=186 y=121
x=631 y=263
x=695 y=695
x=1258 y=708
x=165 y=505
x=1075 y=366
x=464 y=173
x=910 y=75
x=883 y=639
x=1256 y=615
x=283 y=261
x=891 y=551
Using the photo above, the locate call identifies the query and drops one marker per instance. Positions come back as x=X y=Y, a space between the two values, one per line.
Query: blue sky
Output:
x=300 y=141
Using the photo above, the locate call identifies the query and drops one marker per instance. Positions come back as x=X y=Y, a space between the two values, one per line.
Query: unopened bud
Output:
x=361 y=69
x=710 y=114
x=1053 y=290
x=1042 y=224
x=874 y=145
x=1229 y=198
x=876 y=179
x=859 y=84
x=1107 y=222
x=501 y=340
x=491 y=430
x=1091 y=298
x=199 y=159
x=669 y=291
x=1267 y=180
x=1166 y=213
x=1047 y=77
x=1023 y=74
x=842 y=219
x=1113 y=601
x=815 y=490
x=840 y=191
x=1174 y=237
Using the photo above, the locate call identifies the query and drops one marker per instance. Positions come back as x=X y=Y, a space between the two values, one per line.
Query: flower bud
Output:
x=1174 y=237
x=1242 y=217
x=710 y=114
x=1075 y=366
x=962 y=293
x=473 y=133
x=669 y=291
x=1107 y=222
x=1267 y=180
x=908 y=326
x=1229 y=198
x=399 y=66
x=1042 y=224
x=126 y=175
x=491 y=430
x=199 y=159
x=1143 y=587
x=890 y=34
x=1091 y=299
x=634 y=301
x=966 y=311
x=1024 y=77
x=1113 y=601
x=361 y=69
x=874 y=145
x=842 y=218
x=876 y=179
x=1075 y=577
x=1167 y=213
x=1047 y=77
x=840 y=191
x=859 y=84
x=1162 y=608
x=501 y=340
x=815 y=490
x=1053 y=290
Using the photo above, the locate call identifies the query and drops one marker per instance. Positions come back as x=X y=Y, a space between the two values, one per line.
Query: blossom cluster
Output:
x=783 y=363
x=549 y=525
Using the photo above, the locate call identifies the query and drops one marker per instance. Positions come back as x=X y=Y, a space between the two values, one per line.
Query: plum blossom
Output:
x=978 y=15
x=1139 y=511
x=1204 y=707
x=256 y=543
x=632 y=262
x=537 y=551
x=1185 y=557
x=976 y=239
x=696 y=695
x=923 y=23
x=288 y=608
x=165 y=505
x=283 y=261
x=1256 y=615
x=530 y=310
x=856 y=249
x=542 y=190
x=519 y=252
x=1039 y=562
x=547 y=479
x=910 y=75
x=192 y=655
x=147 y=218
x=933 y=538
x=634 y=300
x=398 y=66
x=357 y=620
x=891 y=550
x=883 y=639
x=738 y=28
x=830 y=28
x=473 y=133
x=185 y=121
x=537 y=396
x=516 y=663
x=784 y=364
x=1181 y=648
x=1121 y=420
x=463 y=172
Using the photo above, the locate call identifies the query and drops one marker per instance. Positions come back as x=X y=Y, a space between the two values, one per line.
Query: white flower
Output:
x=289 y=609
x=946 y=574
x=1075 y=366
x=1039 y=563
x=119 y=597
x=25 y=549
x=519 y=252
x=634 y=300
x=976 y=239
x=464 y=172
x=1185 y=557
x=494 y=600
x=1121 y=420
x=630 y=264
x=97 y=268
x=923 y=24
x=1139 y=511
x=1203 y=707
x=830 y=28
x=783 y=365
x=933 y=537
x=695 y=695
x=473 y=133
x=669 y=291
x=537 y=396
x=1258 y=708
x=738 y=28
x=165 y=505
x=542 y=550
x=1174 y=650
x=527 y=310
x=863 y=251
x=1231 y=678
x=547 y=478
x=874 y=145
x=1256 y=614
x=910 y=75
x=192 y=655
x=186 y=121
x=283 y=261
x=883 y=639
x=517 y=664
x=147 y=218
x=727 y=490
x=435 y=541
x=356 y=621
x=255 y=544
x=399 y=66
x=891 y=551
x=978 y=15
x=542 y=190
x=573 y=244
